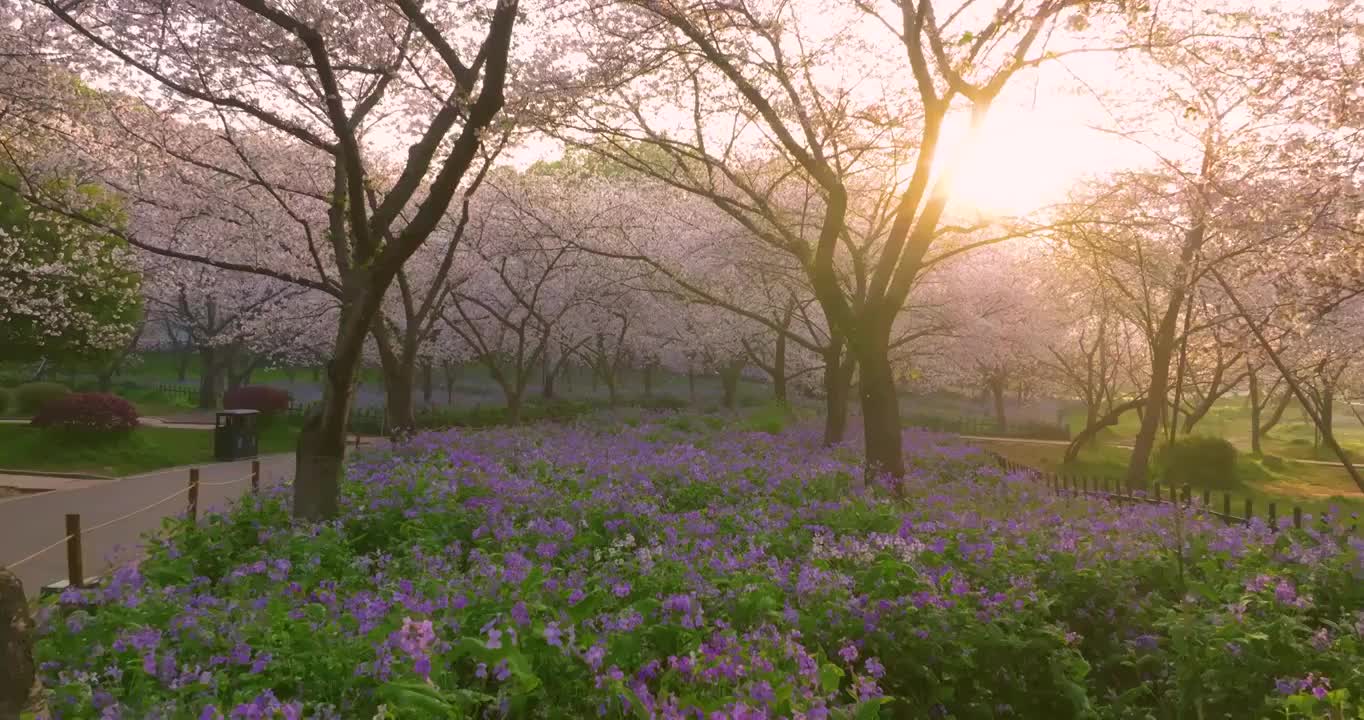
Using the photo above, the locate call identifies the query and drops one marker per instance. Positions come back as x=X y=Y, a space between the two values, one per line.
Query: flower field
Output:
x=675 y=566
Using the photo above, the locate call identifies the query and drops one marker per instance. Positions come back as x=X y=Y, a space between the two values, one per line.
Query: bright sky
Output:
x=1037 y=143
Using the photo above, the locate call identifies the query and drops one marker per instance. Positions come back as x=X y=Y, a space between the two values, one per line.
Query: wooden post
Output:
x=1174 y=498
x=357 y=439
x=75 y=570
x=255 y=477
x=194 y=495
x=1273 y=517
x=1250 y=511
x=1155 y=490
x=1226 y=506
x=1297 y=517
x=1207 y=498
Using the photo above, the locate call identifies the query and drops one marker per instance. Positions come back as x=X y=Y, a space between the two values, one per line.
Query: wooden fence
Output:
x=189 y=394
x=1114 y=490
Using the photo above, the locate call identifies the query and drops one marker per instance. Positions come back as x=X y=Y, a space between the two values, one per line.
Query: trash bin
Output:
x=234 y=434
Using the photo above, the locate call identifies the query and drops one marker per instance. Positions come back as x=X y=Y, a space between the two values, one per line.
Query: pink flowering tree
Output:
x=429 y=79
x=763 y=106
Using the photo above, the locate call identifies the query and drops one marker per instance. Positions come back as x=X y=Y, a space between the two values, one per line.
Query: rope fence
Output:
x=74 y=534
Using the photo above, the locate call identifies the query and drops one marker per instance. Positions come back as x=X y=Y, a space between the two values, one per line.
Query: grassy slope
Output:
x=1313 y=487
x=1229 y=418
x=144 y=449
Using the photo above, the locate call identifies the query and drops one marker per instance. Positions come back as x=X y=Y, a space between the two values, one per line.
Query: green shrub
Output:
x=1272 y=462
x=1199 y=461
x=31 y=397
x=7 y=403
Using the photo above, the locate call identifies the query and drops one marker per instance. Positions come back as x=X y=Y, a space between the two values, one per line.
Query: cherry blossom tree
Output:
x=754 y=91
x=431 y=78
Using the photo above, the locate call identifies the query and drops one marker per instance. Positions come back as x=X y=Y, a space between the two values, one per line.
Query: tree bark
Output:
x=838 y=372
x=428 y=388
x=399 y=371
x=1091 y=430
x=1276 y=414
x=729 y=382
x=996 y=386
x=398 y=391
x=880 y=408
x=210 y=390
x=648 y=372
x=1253 y=379
x=448 y=370
x=16 y=647
x=691 y=383
x=779 y=369
x=322 y=441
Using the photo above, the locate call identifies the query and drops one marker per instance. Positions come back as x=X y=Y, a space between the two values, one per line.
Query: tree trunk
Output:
x=398 y=391
x=16 y=647
x=838 y=373
x=448 y=370
x=513 y=399
x=1151 y=416
x=322 y=441
x=729 y=381
x=1091 y=430
x=997 y=389
x=880 y=408
x=779 y=369
x=183 y=358
x=691 y=384
x=427 y=386
x=399 y=372
x=547 y=376
x=1092 y=411
x=1328 y=412
x=1276 y=414
x=609 y=378
x=1254 y=381
x=209 y=376
x=648 y=372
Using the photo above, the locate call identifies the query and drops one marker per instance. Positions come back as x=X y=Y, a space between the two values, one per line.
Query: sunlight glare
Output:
x=1023 y=160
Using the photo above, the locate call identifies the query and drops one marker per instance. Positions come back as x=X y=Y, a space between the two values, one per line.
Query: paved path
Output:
x=30 y=522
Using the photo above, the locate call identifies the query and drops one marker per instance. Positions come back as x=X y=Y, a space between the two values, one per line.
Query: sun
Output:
x=1023 y=160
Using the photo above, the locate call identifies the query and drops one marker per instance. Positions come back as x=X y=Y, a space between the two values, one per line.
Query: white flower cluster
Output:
x=866 y=548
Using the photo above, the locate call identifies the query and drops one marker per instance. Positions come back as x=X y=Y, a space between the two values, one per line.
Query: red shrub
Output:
x=88 y=411
x=261 y=398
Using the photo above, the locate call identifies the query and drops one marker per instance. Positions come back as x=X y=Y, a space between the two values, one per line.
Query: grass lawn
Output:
x=1293 y=437
x=1312 y=487
x=147 y=448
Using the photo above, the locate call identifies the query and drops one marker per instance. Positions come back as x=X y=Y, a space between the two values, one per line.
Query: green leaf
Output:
x=869 y=709
x=830 y=677
x=417 y=696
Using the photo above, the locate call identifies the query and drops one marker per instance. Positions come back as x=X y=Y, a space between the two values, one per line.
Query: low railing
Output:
x=1115 y=490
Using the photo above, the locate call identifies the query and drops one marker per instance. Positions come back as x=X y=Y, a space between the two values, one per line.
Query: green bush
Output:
x=31 y=397
x=1200 y=461
x=1272 y=462
x=7 y=403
